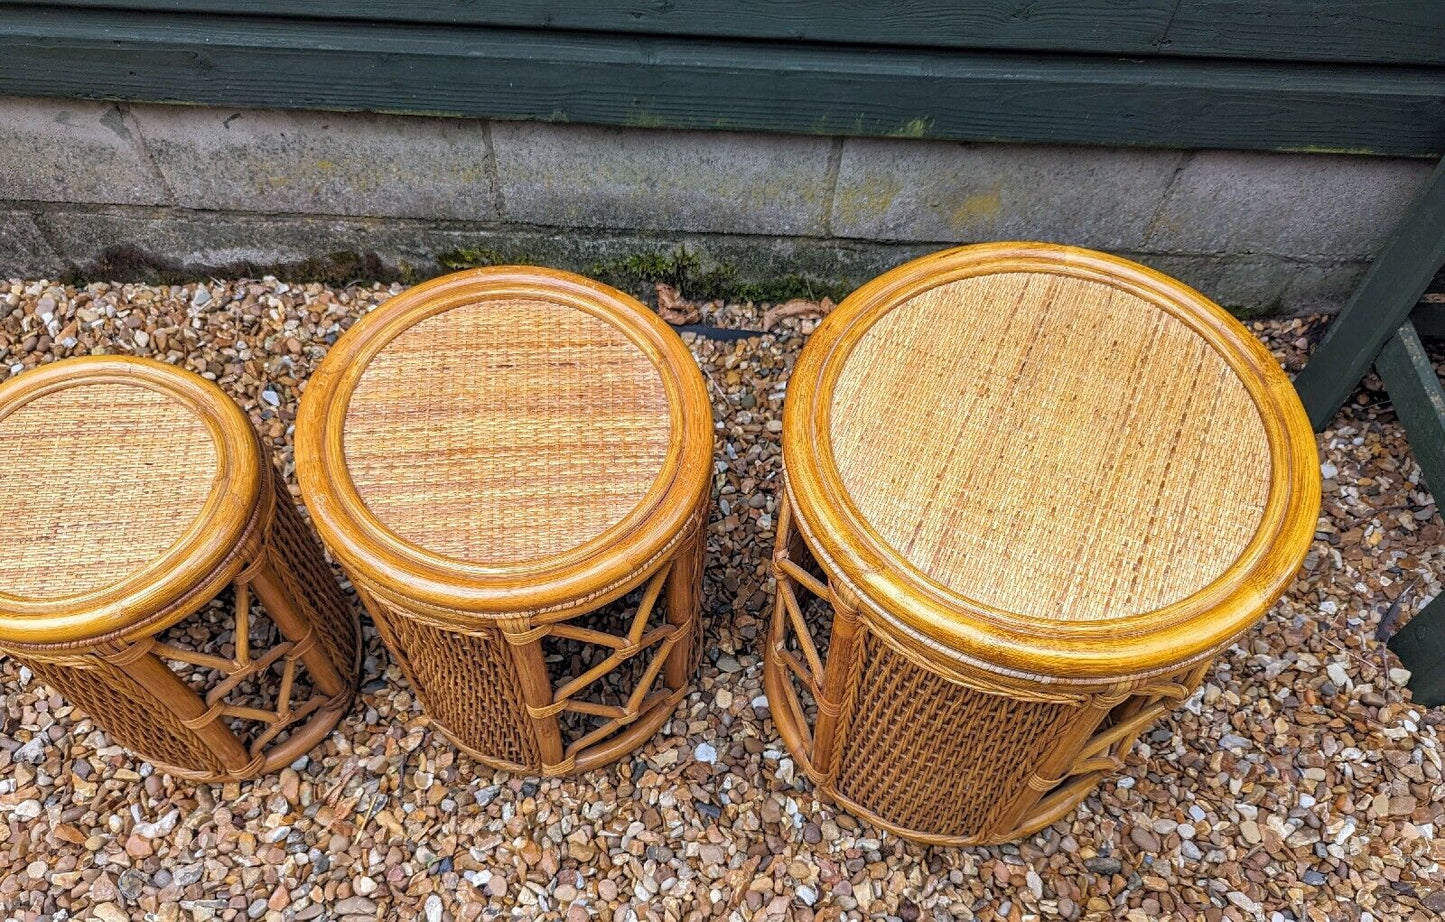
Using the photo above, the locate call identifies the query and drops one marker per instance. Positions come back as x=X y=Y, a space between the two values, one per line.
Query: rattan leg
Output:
x=684 y=609
x=840 y=677
x=166 y=688
x=536 y=688
x=292 y=624
x=493 y=693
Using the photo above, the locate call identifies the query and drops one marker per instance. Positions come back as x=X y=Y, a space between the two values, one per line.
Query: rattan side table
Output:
x=132 y=496
x=1040 y=488
x=513 y=465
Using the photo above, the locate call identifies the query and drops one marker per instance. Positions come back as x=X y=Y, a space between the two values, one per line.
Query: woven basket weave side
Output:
x=309 y=582
x=466 y=683
x=935 y=757
x=130 y=714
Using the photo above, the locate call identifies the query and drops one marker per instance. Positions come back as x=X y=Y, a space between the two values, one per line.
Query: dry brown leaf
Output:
x=672 y=308
x=798 y=307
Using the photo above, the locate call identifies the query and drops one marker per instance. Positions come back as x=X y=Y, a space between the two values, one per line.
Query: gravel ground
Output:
x=1299 y=783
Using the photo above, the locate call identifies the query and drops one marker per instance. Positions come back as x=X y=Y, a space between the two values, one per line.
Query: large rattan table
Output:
x=155 y=572
x=514 y=467
x=1040 y=488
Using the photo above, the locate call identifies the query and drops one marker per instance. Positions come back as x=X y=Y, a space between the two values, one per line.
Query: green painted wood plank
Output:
x=1390 y=290
x=685 y=83
x=1046 y=25
x=1363 y=31
x=1419 y=401
x=1420 y=645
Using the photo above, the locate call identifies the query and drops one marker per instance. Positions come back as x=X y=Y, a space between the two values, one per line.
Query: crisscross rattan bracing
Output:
x=641 y=640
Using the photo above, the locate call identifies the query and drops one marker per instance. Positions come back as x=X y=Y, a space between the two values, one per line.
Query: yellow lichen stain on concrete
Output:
x=472 y=176
x=854 y=204
x=325 y=166
x=984 y=206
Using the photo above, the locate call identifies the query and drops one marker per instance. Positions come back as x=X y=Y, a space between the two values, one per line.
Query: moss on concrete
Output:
x=128 y=263
x=742 y=273
x=706 y=280
x=641 y=271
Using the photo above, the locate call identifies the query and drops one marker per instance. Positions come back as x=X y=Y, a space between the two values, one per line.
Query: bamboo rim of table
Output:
x=205 y=545
x=458 y=590
x=932 y=623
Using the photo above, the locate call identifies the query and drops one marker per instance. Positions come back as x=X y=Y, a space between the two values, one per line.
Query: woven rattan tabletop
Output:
x=504 y=438
x=123 y=482
x=1050 y=461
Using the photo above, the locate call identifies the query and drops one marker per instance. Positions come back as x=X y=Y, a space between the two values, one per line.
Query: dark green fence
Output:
x=1364 y=76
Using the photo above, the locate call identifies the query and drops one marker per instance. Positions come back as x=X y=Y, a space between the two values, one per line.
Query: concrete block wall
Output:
x=201 y=188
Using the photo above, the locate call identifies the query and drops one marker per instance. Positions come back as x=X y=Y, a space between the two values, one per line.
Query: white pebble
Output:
x=1338 y=674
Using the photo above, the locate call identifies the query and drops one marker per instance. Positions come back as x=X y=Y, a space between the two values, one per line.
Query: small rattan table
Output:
x=132 y=495
x=513 y=465
x=1040 y=488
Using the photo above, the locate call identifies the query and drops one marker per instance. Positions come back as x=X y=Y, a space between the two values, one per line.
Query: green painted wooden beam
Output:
x=1356 y=31
x=1419 y=401
x=1390 y=290
x=718 y=84
x=1420 y=645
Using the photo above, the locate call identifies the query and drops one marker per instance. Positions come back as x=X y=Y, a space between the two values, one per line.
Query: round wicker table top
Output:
x=1047 y=463
x=505 y=440
x=124 y=483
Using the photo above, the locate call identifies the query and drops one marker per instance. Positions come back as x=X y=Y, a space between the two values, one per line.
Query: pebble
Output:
x=1338 y=674
x=32 y=753
x=1103 y=865
x=109 y=912
x=1283 y=789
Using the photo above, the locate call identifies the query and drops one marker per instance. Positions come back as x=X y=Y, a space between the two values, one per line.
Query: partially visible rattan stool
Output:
x=494 y=456
x=1040 y=488
x=132 y=495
